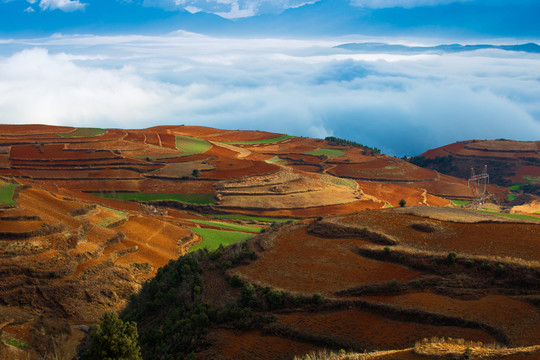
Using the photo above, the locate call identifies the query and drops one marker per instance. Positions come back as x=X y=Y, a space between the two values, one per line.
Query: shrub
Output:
x=469 y=263
x=316 y=299
x=499 y=270
x=394 y=283
x=402 y=202
x=387 y=250
x=248 y=296
x=276 y=299
x=451 y=258
x=227 y=265
x=114 y=339
x=235 y=281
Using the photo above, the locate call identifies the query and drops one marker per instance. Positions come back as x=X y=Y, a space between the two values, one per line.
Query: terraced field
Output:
x=88 y=215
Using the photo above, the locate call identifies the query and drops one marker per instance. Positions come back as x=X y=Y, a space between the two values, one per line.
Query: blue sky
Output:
x=275 y=66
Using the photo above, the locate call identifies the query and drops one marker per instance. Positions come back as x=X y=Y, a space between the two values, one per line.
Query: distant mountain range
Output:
x=326 y=17
x=452 y=48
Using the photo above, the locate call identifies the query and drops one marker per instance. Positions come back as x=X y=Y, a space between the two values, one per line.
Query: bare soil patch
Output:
x=303 y=263
x=248 y=345
x=494 y=310
x=373 y=331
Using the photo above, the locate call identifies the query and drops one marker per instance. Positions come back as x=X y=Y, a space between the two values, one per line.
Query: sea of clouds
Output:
x=403 y=104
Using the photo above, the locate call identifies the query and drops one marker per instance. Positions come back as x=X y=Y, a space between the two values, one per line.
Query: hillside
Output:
x=87 y=216
x=511 y=164
x=375 y=280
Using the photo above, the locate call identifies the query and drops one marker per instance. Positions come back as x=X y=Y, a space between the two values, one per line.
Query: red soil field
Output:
x=115 y=162
x=168 y=140
x=450 y=149
x=313 y=212
x=384 y=169
x=119 y=145
x=309 y=159
x=234 y=136
x=491 y=148
x=303 y=263
x=135 y=136
x=447 y=186
x=504 y=145
x=25 y=130
x=306 y=168
x=235 y=168
x=394 y=193
x=4 y=161
x=81 y=174
x=526 y=171
x=374 y=331
x=57 y=152
x=498 y=311
x=115 y=204
x=152 y=138
x=157 y=240
x=50 y=208
x=249 y=345
x=140 y=185
x=19 y=226
x=489 y=239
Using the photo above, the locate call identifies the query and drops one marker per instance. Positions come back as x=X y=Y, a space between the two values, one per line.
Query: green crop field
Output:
x=117 y=215
x=248 y=218
x=327 y=152
x=213 y=238
x=6 y=194
x=244 y=228
x=191 y=146
x=333 y=180
x=83 y=133
x=532 y=179
x=515 y=187
x=191 y=198
x=511 y=216
x=276 y=160
x=460 y=202
x=263 y=141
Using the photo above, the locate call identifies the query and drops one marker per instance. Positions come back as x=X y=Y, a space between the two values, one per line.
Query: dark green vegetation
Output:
x=327 y=152
x=114 y=339
x=263 y=141
x=213 y=238
x=443 y=164
x=174 y=317
x=171 y=310
x=191 y=198
x=6 y=194
x=83 y=133
x=224 y=225
x=191 y=146
x=332 y=140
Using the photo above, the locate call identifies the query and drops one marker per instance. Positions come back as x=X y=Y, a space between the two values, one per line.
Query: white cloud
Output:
x=401 y=104
x=64 y=5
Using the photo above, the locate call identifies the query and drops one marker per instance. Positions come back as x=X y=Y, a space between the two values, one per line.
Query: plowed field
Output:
x=303 y=263
x=373 y=331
